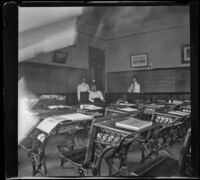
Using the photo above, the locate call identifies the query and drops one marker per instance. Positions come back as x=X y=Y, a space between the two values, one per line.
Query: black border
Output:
x=10 y=86
x=10 y=73
x=194 y=52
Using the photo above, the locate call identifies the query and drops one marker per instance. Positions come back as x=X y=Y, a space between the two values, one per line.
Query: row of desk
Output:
x=169 y=123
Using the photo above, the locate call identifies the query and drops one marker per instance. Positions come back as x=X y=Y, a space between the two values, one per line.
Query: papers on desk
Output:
x=126 y=104
x=75 y=117
x=48 y=124
x=91 y=107
x=129 y=109
x=180 y=113
x=157 y=105
x=51 y=122
x=134 y=124
x=177 y=102
x=187 y=106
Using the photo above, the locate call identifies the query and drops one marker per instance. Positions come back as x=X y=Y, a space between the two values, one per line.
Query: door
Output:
x=97 y=67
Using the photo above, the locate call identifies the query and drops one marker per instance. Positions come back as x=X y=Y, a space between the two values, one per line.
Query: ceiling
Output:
x=44 y=29
x=110 y=17
x=33 y=17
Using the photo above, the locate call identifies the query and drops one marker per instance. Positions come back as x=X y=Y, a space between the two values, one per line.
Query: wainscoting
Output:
x=42 y=78
x=110 y=97
x=71 y=98
x=151 y=80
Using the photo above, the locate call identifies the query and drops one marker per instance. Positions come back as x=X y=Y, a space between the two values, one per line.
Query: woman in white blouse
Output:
x=135 y=86
x=83 y=90
x=94 y=94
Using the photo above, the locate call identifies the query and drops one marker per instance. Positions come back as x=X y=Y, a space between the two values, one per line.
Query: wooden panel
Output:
x=157 y=80
x=131 y=97
x=50 y=79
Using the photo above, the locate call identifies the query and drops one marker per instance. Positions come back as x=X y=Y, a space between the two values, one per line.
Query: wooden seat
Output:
x=162 y=166
x=77 y=156
x=85 y=158
x=81 y=157
x=185 y=168
x=165 y=166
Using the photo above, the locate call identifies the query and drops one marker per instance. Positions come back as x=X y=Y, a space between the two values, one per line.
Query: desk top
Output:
x=44 y=113
x=89 y=107
x=179 y=113
x=121 y=105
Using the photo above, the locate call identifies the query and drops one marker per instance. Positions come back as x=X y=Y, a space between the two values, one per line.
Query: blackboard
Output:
x=155 y=80
x=50 y=79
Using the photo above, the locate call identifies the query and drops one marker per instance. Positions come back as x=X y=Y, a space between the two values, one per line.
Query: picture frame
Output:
x=60 y=57
x=185 y=53
x=139 y=60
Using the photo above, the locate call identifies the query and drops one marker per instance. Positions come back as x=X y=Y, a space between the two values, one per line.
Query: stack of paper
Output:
x=187 y=106
x=177 y=102
x=91 y=107
x=157 y=105
x=180 y=113
x=134 y=124
x=129 y=109
x=49 y=123
x=126 y=104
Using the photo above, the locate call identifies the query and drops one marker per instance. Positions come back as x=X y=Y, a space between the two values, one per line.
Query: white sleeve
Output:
x=90 y=97
x=130 y=89
x=139 y=88
x=78 y=93
x=100 y=95
x=88 y=88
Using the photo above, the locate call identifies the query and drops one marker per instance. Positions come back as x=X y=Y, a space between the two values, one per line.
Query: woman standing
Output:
x=135 y=86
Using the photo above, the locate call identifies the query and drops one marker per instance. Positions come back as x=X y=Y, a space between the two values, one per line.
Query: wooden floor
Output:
x=53 y=160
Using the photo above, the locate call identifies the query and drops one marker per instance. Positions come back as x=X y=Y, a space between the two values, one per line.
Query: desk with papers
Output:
x=90 y=109
x=66 y=125
x=111 y=136
x=121 y=108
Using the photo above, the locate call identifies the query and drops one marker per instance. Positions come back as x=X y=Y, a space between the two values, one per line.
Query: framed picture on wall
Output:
x=185 y=53
x=139 y=60
x=60 y=57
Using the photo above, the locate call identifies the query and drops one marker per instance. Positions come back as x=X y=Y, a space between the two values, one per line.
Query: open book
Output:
x=134 y=124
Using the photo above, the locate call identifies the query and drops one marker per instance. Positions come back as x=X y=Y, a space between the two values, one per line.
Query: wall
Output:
x=161 y=41
x=44 y=76
x=78 y=54
x=163 y=48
